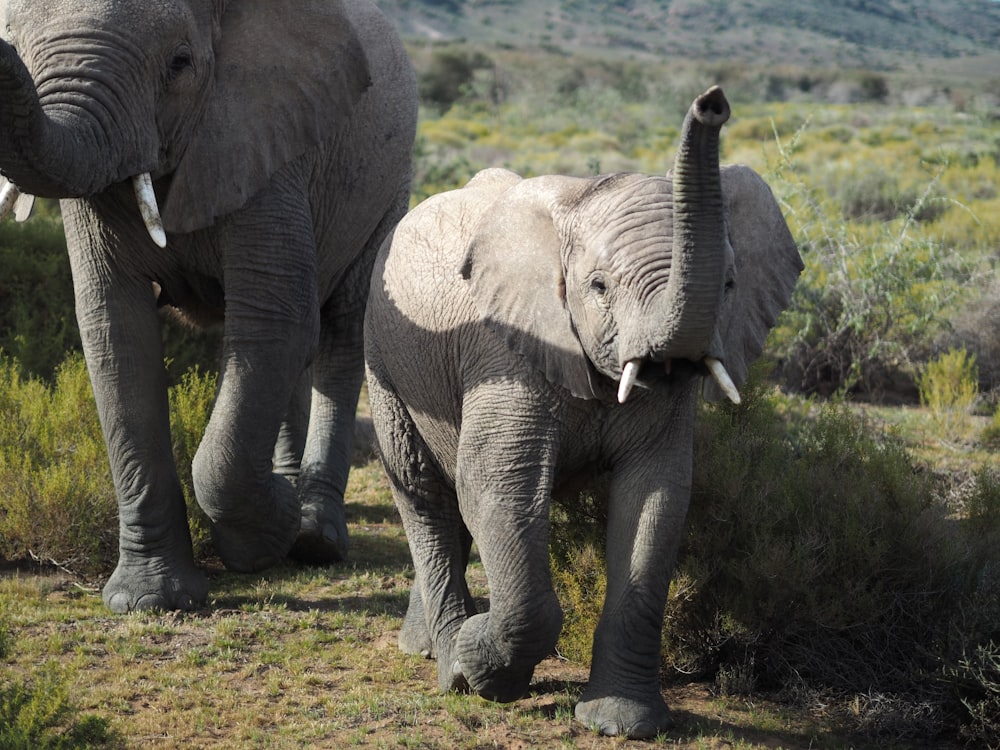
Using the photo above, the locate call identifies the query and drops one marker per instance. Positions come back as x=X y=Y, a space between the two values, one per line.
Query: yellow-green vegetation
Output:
x=58 y=502
x=895 y=208
x=949 y=386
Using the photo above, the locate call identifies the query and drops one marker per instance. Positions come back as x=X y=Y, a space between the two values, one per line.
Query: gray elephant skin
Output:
x=526 y=335
x=236 y=161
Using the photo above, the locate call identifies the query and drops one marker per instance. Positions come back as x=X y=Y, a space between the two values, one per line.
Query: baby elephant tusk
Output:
x=143 y=185
x=629 y=375
x=725 y=382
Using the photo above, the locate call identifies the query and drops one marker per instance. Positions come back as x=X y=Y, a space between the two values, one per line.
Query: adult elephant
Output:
x=276 y=135
x=508 y=325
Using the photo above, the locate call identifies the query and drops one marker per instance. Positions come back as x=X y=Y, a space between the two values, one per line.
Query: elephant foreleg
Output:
x=270 y=335
x=649 y=498
x=506 y=465
x=120 y=330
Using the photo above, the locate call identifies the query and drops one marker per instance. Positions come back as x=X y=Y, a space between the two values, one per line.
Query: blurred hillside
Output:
x=945 y=35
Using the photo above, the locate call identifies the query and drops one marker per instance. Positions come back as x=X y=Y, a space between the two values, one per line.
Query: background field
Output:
x=855 y=603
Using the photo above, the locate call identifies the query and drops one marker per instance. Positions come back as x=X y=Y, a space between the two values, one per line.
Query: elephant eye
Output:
x=598 y=285
x=181 y=61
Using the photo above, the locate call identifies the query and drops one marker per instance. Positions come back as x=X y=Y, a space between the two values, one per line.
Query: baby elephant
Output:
x=526 y=334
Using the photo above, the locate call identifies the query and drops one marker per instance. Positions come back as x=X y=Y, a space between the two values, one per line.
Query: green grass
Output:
x=307 y=656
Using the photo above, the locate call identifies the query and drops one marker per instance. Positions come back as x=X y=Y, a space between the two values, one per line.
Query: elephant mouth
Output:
x=649 y=370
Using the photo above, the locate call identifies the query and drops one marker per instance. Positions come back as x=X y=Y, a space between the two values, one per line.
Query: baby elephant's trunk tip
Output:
x=711 y=108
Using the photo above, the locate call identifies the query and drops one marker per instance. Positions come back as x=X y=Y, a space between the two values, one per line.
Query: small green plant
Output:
x=37 y=714
x=949 y=386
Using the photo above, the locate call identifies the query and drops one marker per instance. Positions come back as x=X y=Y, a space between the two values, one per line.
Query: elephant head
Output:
x=94 y=93
x=627 y=276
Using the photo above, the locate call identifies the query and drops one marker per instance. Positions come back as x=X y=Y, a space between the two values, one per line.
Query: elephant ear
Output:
x=767 y=265
x=515 y=272
x=287 y=73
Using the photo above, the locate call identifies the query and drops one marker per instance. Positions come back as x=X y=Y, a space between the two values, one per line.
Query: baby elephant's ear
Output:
x=767 y=265
x=515 y=271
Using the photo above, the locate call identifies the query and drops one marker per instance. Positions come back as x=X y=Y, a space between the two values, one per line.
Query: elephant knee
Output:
x=224 y=484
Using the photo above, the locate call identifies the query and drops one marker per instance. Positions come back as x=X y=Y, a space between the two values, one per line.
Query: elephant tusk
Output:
x=143 y=185
x=721 y=377
x=23 y=206
x=8 y=197
x=629 y=374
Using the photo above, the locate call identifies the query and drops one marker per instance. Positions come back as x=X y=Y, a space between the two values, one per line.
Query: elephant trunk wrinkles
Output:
x=55 y=152
x=694 y=291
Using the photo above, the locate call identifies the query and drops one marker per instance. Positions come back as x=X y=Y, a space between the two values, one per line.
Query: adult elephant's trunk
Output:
x=62 y=149
x=48 y=155
x=679 y=322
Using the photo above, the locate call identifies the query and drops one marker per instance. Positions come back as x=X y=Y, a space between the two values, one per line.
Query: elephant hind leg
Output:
x=440 y=543
x=336 y=376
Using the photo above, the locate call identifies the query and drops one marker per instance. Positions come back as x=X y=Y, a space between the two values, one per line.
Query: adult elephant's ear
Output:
x=767 y=265
x=515 y=272
x=286 y=73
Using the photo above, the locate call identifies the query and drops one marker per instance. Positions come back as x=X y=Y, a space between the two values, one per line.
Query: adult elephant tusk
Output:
x=721 y=377
x=22 y=207
x=144 y=195
x=8 y=197
x=629 y=375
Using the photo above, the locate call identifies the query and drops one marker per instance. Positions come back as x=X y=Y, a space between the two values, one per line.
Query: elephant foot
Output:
x=479 y=664
x=322 y=537
x=155 y=583
x=620 y=716
x=254 y=538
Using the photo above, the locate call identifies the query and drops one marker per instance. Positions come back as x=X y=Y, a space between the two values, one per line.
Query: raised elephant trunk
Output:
x=680 y=321
x=61 y=150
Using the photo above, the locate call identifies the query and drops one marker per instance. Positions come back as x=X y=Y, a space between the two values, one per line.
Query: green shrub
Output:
x=870 y=301
x=949 y=386
x=813 y=546
x=449 y=76
x=978 y=676
x=38 y=715
x=580 y=578
x=58 y=501
x=817 y=557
